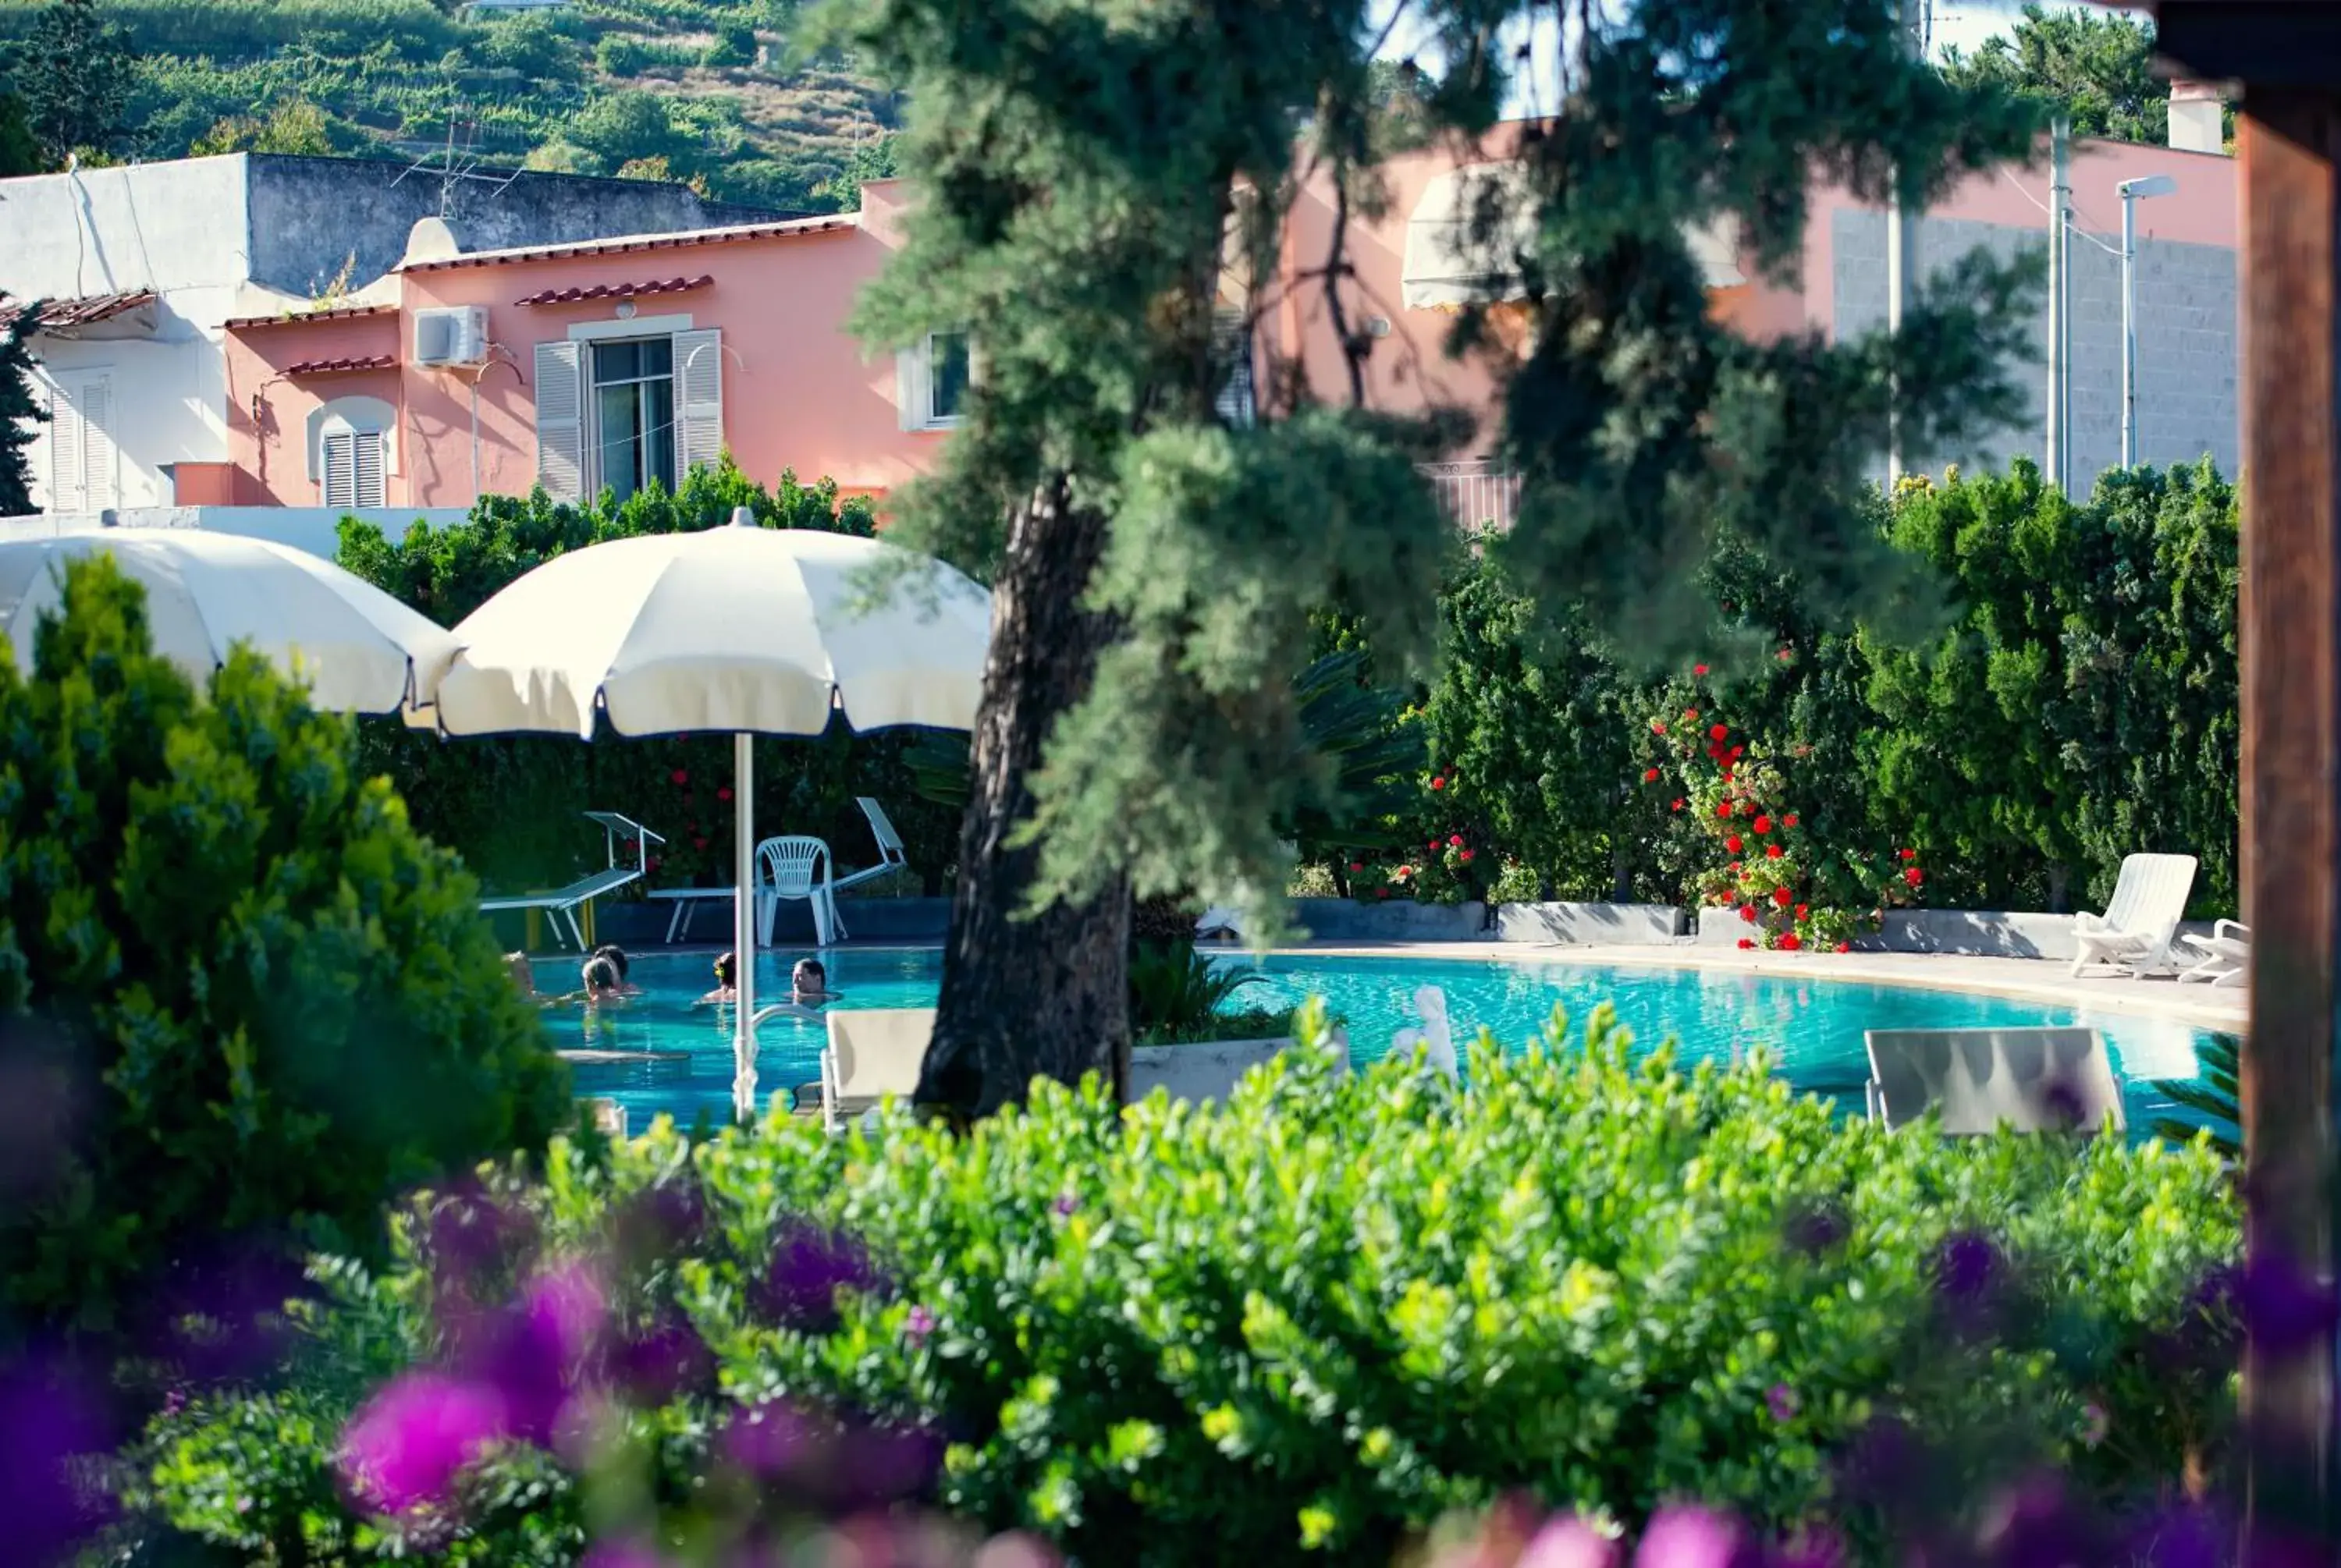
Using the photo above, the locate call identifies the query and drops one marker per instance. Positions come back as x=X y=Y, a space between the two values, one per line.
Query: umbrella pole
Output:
x=744 y=926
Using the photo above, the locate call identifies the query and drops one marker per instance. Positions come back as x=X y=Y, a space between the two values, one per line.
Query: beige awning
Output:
x=1446 y=270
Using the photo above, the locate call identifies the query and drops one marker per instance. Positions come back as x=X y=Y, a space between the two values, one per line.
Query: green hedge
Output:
x=2063 y=694
x=512 y=806
x=241 y=1001
x=1319 y=1316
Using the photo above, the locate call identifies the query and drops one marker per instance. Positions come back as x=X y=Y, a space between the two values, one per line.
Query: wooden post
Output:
x=2291 y=630
x=2286 y=56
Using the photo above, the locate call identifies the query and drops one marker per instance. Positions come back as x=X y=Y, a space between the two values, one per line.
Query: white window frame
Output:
x=595 y=480
x=354 y=443
x=915 y=381
x=68 y=434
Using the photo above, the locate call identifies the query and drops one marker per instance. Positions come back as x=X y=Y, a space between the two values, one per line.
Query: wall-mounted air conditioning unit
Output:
x=453 y=336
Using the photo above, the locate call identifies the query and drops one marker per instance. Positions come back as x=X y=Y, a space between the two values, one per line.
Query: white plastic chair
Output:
x=891 y=858
x=790 y=867
x=2133 y=936
x=2224 y=959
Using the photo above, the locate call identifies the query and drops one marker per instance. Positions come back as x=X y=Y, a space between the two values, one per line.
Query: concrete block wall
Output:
x=2187 y=352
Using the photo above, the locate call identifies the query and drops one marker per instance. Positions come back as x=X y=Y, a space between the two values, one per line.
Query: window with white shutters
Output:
x=933 y=380
x=351 y=469
x=84 y=463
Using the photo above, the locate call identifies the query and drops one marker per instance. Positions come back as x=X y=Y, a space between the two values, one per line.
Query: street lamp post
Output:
x=2132 y=193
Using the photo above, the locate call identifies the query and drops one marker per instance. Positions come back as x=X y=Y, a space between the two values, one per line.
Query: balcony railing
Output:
x=1475 y=494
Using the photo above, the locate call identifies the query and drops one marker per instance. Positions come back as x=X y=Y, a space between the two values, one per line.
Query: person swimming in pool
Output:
x=523 y=976
x=617 y=957
x=603 y=984
x=727 y=980
x=808 y=984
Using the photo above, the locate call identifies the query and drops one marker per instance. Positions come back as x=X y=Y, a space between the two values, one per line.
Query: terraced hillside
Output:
x=717 y=92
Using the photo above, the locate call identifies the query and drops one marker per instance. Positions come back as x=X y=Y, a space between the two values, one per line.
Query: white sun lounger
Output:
x=562 y=903
x=873 y=1052
x=2133 y=936
x=2033 y=1080
x=2224 y=959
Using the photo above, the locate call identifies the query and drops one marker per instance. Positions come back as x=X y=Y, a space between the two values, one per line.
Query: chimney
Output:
x=434 y=240
x=2198 y=117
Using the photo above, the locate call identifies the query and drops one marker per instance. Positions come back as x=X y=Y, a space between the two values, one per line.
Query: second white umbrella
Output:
x=754 y=631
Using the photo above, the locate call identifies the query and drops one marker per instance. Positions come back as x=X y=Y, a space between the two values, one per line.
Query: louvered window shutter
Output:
x=100 y=458
x=69 y=490
x=337 y=469
x=368 y=484
x=559 y=422
x=698 y=401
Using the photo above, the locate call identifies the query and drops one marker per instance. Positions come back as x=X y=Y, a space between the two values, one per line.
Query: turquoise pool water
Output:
x=1813 y=1028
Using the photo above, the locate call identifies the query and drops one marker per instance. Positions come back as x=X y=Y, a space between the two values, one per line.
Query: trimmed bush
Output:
x=1319 y=1316
x=244 y=1001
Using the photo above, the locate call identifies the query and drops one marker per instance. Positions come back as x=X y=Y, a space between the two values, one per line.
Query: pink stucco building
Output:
x=616 y=361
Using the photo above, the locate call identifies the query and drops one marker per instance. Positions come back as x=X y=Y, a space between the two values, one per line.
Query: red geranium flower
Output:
x=1783 y=897
x=1784 y=655
x=1439 y=783
x=1845 y=946
x=1731 y=845
x=1455 y=841
x=1747 y=913
x=1745 y=943
x=700 y=843
x=1790 y=941
x=1914 y=876
x=680 y=778
x=653 y=863
x=724 y=793
x=1465 y=857
x=1658 y=727
x=1432 y=845
x=1738 y=752
x=1357 y=866
x=1910 y=854
x=1800 y=911
x=1724 y=809
x=1789 y=820
x=1773 y=851
x=1719 y=731
x=1649 y=774
x=1690 y=715
x=1698 y=670
x=1678 y=803
x=1381 y=892
x=1763 y=824
x=1727 y=772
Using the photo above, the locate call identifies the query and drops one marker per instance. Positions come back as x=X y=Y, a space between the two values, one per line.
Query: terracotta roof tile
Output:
x=577 y=296
x=59 y=314
x=342 y=367
x=295 y=318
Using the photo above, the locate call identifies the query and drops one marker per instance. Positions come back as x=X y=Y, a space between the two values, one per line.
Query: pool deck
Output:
x=2021 y=979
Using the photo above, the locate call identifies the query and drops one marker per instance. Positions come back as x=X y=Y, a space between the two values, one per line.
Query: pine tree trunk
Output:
x=1049 y=995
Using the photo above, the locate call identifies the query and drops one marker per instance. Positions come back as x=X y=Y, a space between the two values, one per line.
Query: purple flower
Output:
x=920 y=1324
x=620 y=1554
x=2180 y=1537
x=662 y=1360
x=1816 y=1229
x=2283 y=1308
x=809 y=1268
x=2042 y=1527
x=470 y=1233
x=1569 y=1542
x=1687 y=1537
x=534 y=1354
x=1814 y=1546
x=666 y=1221
x=1967 y=1266
x=1066 y=1204
x=46 y=1422
x=766 y=1441
x=1781 y=1401
x=405 y=1448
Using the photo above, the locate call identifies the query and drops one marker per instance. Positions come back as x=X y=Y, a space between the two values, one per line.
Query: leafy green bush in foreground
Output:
x=1322 y=1315
x=242 y=1000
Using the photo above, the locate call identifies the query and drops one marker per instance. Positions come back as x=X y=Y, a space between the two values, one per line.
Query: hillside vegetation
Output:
x=720 y=93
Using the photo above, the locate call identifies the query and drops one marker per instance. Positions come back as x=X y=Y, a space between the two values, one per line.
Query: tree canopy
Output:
x=2095 y=66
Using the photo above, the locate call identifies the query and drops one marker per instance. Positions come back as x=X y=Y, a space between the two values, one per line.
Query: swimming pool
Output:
x=1813 y=1028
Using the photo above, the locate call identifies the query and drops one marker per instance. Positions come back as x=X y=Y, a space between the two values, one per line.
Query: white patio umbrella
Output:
x=358 y=649
x=749 y=630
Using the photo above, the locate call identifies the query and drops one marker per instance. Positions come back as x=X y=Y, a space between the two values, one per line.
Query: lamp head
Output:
x=2149 y=186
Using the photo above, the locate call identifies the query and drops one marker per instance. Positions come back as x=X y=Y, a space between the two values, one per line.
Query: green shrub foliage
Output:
x=2071 y=699
x=1320 y=1316
x=244 y=997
